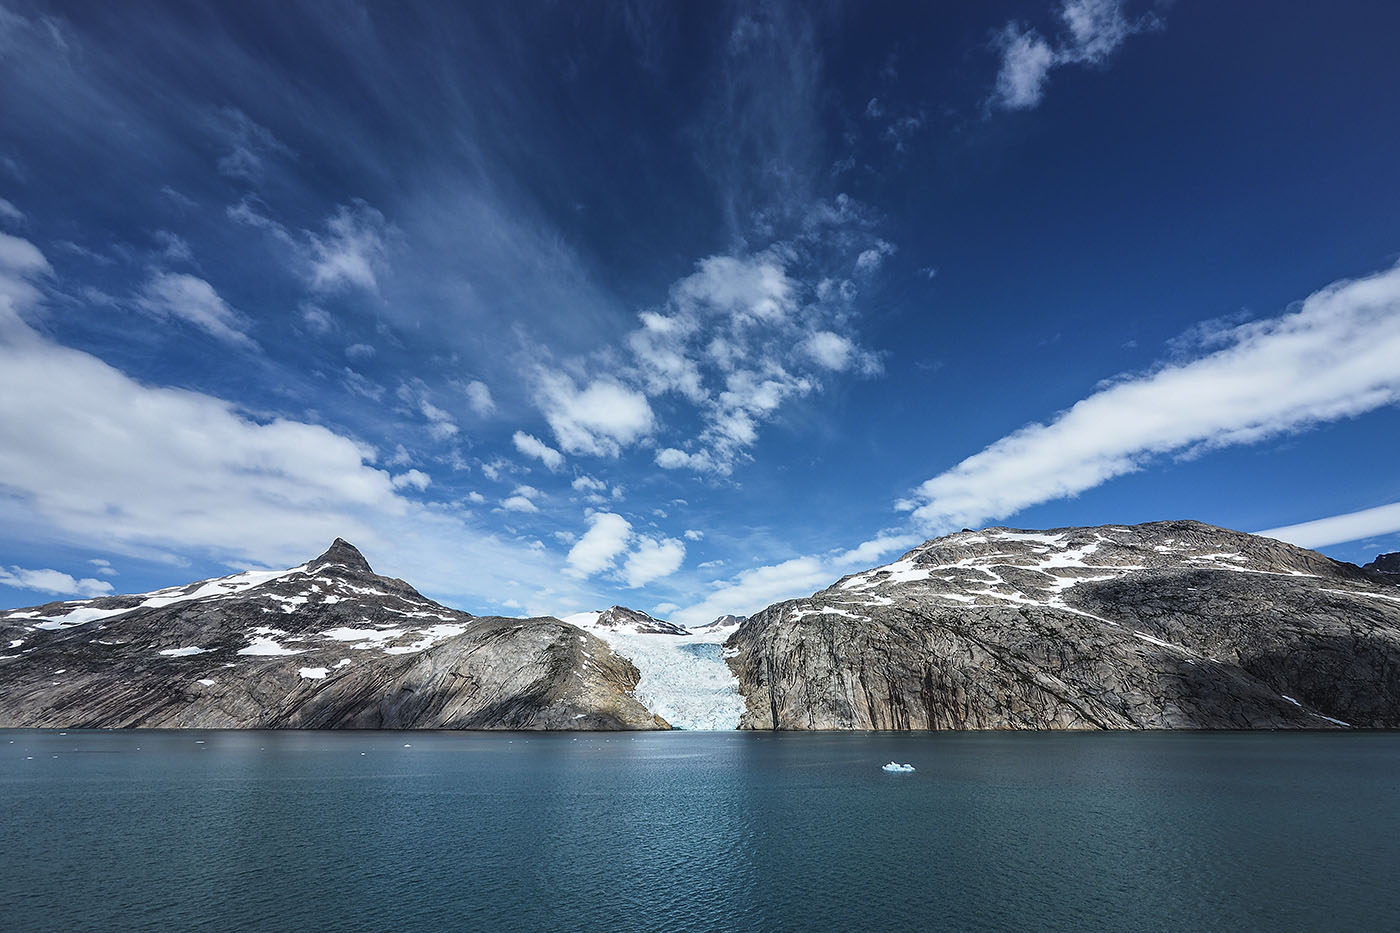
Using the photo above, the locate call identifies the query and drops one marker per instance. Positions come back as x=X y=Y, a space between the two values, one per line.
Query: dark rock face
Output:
x=327 y=645
x=1169 y=625
x=1385 y=563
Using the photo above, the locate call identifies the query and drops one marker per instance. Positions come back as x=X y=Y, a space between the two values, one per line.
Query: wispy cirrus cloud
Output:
x=1092 y=30
x=350 y=251
x=1335 y=357
x=247 y=145
x=193 y=300
x=738 y=338
x=164 y=473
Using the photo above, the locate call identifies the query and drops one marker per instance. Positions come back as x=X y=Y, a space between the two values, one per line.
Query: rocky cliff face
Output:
x=1385 y=563
x=1169 y=625
x=329 y=644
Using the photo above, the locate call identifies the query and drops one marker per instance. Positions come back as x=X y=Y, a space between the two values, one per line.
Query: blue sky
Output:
x=686 y=307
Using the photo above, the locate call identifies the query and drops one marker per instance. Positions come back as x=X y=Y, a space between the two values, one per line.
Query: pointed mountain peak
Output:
x=344 y=553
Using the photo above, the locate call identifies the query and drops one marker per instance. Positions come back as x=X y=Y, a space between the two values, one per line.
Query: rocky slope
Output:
x=1167 y=625
x=329 y=644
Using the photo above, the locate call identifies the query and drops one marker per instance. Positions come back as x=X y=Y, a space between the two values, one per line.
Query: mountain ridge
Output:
x=1174 y=624
x=1163 y=625
x=326 y=644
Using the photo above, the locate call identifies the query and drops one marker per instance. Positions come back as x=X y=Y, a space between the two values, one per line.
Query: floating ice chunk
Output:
x=895 y=767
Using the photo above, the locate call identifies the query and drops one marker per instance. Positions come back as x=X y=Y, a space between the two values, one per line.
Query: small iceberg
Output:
x=896 y=767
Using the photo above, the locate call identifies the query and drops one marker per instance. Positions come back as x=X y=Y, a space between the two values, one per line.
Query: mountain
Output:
x=1385 y=563
x=622 y=619
x=724 y=621
x=1168 y=625
x=329 y=644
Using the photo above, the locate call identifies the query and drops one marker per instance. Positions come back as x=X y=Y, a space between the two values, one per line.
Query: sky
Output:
x=687 y=307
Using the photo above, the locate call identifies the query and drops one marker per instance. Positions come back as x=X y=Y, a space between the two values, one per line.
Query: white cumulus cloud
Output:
x=415 y=478
x=606 y=538
x=600 y=419
x=518 y=503
x=53 y=582
x=653 y=559
x=532 y=446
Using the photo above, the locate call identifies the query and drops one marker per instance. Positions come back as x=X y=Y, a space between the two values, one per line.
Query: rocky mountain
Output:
x=1385 y=563
x=329 y=644
x=622 y=619
x=724 y=621
x=1168 y=625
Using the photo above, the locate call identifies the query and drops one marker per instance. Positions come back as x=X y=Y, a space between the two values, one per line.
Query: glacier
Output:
x=684 y=677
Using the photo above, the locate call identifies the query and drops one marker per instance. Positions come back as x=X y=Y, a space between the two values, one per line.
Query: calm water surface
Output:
x=721 y=831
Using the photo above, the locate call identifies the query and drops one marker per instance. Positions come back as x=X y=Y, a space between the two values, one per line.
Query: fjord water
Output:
x=467 y=831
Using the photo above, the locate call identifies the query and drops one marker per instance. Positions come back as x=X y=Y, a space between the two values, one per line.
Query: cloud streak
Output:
x=1339 y=529
x=1336 y=357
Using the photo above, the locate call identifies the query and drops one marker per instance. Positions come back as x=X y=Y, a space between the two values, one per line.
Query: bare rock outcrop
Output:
x=1168 y=625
